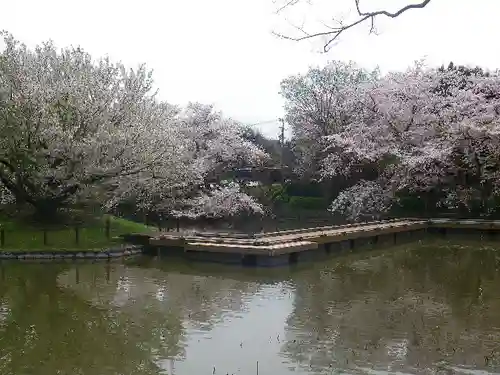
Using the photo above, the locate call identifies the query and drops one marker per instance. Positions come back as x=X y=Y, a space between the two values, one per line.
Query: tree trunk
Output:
x=47 y=210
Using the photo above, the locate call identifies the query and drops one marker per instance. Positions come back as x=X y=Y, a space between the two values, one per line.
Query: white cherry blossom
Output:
x=73 y=128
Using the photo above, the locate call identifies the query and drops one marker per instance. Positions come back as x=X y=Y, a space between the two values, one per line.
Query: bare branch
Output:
x=392 y=15
x=286 y=5
x=333 y=33
x=289 y=4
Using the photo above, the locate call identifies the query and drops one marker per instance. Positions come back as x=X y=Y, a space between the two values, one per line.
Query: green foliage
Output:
x=426 y=204
x=308 y=203
x=412 y=203
x=307 y=189
x=278 y=193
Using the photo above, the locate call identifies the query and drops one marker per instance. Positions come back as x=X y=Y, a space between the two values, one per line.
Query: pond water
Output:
x=431 y=308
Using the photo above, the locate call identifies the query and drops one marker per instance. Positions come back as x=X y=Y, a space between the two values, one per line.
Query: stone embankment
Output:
x=114 y=252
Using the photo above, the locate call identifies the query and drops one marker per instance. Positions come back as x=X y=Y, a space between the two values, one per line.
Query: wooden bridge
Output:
x=285 y=247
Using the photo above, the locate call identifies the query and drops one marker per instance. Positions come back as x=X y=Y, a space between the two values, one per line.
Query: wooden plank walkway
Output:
x=284 y=242
x=273 y=244
x=268 y=249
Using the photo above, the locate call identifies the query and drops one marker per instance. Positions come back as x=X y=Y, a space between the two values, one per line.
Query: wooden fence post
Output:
x=77 y=235
x=178 y=224
x=2 y=237
x=108 y=227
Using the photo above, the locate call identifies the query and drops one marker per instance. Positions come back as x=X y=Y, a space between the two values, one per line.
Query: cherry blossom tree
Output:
x=221 y=202
x=74 y=129
x=6 y=196
x=214 y=145
x=427 y=130
x=317 y=105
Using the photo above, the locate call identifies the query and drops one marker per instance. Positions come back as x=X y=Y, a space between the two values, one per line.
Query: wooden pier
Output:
x=286 y=247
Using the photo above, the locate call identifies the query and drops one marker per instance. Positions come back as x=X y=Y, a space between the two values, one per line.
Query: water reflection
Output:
x=45 y=330
x=424 y=309
x=201 y=322
x=410 y=310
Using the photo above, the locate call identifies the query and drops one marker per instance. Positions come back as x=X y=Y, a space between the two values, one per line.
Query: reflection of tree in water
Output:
x=398 y=310
x=46 y=331
x=403 y=310
x=155 y=307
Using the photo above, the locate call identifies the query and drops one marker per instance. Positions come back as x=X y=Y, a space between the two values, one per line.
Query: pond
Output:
x=432 y=308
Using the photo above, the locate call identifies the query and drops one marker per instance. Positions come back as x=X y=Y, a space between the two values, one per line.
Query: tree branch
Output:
x=8 y=165
x=334 y=32
x=286 y=5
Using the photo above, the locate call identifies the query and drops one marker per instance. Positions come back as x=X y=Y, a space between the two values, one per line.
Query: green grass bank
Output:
x=100 y=233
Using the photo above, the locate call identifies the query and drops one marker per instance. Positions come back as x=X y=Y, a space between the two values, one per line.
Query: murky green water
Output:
x=433 y=309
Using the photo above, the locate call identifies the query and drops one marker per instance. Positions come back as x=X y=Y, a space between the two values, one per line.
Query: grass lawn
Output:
x=24 y=237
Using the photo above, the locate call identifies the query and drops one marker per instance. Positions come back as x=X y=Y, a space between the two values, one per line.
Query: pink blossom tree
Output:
x=221 y=202
x=318 y=104
x=214 y=145
x=426 y=130
x=74 y=129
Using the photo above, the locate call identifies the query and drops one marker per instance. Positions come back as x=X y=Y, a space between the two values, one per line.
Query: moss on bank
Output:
x=20 y=236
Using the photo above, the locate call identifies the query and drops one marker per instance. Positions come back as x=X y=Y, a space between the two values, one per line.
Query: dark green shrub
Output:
x=308 y=203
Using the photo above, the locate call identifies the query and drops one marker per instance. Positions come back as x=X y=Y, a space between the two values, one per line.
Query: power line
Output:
x=265 y=122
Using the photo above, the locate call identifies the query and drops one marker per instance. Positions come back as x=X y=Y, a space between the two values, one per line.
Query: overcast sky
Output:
x=222 y=51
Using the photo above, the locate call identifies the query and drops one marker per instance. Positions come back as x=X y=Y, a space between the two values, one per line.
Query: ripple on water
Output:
x=409 y=310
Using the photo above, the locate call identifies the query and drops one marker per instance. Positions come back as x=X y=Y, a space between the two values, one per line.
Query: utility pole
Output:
x=281 y=138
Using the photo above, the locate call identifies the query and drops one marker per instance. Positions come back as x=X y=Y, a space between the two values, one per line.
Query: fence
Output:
x=64 y=237
x=279 y=221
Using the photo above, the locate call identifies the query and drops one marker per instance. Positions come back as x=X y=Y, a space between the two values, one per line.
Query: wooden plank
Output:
x=270 y=250
x=283 y=242
x=320 y=236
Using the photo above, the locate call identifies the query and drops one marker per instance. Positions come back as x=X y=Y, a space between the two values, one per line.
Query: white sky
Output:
x=222 y=51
